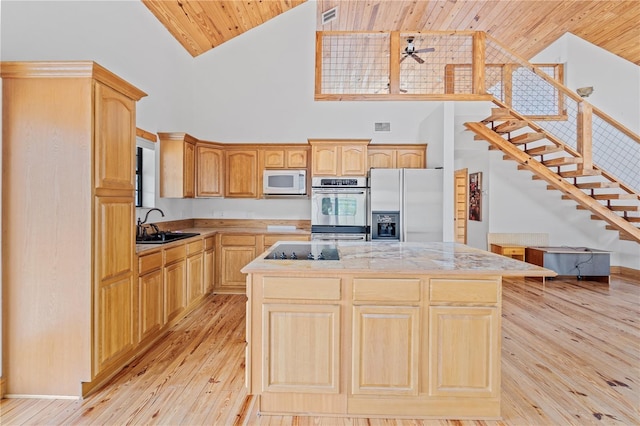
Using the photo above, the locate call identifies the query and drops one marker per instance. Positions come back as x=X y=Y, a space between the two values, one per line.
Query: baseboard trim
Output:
x=627 y=273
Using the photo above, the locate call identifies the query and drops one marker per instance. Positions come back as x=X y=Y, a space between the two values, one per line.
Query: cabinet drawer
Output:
x=464 y=291
x=301 y=288
x=270 y=240
x=238 y=240
x=194 y=247
x=174 y=253
x=149 y=262
x=209 y=243
x=510 y=251
x=386 y=289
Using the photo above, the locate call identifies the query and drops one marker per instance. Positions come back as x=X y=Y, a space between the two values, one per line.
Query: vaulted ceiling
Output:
x=525 y=26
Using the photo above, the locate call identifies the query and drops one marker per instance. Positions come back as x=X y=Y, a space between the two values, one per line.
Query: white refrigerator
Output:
x=406 y=204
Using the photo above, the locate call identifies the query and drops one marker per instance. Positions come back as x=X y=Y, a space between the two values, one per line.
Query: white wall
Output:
x=615 y=80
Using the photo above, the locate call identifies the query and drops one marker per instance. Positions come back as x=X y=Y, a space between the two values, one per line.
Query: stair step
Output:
x=634 y=219
x=613 y=228
x=594 y=185
x=497 y=114
x=562 y=161
x=614 y=196
x=610 y=196
x=543 y=150
x=478 y=138
x=510 y=126
x=580 y=173
x=526 y=138
x=613 y=208
x=626 y=237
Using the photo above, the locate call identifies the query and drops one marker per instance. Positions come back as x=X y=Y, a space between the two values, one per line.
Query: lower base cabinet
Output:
x=386 y=341
x=195 y=271
x=419 y=346
x=151 y=304
x=463 y=346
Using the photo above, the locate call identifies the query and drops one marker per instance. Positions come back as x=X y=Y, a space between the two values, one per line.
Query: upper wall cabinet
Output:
x=177 y=165
x=209 y=170
x=241 y=177
x=285 y=157
x=339 y=157
x=397 y=156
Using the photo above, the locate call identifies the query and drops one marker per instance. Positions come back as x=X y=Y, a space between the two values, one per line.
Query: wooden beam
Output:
x=479 y=57
x=584 y=132
x=394 y=63
x=318 y=83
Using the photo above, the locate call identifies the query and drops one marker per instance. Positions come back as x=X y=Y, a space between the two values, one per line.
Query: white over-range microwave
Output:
x=284 y=182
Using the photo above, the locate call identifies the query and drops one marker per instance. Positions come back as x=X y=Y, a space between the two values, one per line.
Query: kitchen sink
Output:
x=164 y=237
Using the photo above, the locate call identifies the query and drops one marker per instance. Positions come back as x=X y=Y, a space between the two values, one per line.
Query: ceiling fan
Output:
x=410 y=50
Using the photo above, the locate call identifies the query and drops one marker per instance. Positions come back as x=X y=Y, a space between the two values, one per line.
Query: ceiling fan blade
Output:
x=403 y=91
x=426 y=49
x=403 y=58
x=417 y=58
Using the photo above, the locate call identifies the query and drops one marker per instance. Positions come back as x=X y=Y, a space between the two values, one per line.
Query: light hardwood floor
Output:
x=570 y=355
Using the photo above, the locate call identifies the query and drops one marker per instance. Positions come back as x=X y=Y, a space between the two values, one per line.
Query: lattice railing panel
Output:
x=355 y=63
x=616 y=152
x=428 y=77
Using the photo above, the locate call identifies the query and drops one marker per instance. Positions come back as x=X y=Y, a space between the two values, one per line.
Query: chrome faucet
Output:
x=140 y=231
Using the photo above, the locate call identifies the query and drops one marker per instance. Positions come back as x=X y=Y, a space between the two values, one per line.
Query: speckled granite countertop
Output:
x=402 y=258
x=147 y=248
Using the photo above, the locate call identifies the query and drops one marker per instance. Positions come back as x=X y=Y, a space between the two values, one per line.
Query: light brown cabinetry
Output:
x=397 y=156
x=209 y=264
x=381 y=345
x=386 y=336
x=209 y=170
x=115 y=285
x=285 y=157
x=331 y=157
x=150 y=296
x=195 y=271
x=175 y=282
x=271 y=239
x=68 y=139
x=464 y=336
x=234 y=251
x=241 y=173
x=177 y=165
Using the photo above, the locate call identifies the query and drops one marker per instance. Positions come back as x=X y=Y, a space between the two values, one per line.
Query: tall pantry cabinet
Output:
x=68 y=213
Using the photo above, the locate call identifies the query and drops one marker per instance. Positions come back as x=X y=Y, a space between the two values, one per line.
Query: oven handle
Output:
x=336 y=191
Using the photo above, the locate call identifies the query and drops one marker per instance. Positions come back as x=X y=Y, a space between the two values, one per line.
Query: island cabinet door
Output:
x=301 y=345
x=386 y=341
x=464 y=351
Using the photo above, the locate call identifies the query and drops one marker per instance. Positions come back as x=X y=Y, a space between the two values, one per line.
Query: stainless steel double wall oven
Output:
x=339 y=208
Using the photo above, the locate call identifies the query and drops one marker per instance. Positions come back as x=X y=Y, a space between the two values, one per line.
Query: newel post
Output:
x=584 y=135
x=479 y=54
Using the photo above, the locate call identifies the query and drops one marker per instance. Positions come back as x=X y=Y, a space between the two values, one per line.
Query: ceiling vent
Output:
x=383 y=127
x=329 y=15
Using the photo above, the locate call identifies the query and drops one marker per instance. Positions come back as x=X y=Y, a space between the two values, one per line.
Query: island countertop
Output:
x=401 y=258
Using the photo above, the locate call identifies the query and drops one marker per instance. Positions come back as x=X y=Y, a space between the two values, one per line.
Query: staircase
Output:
x=563 y=168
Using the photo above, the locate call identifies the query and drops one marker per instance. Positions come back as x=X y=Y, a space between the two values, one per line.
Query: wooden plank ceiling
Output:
x=524 y=26
x=202 y=25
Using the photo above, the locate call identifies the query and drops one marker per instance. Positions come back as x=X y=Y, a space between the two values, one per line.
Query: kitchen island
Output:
x=390 y=329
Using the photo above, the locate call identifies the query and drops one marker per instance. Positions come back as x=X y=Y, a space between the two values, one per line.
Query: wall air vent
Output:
x=329 y=15
x=383 y=127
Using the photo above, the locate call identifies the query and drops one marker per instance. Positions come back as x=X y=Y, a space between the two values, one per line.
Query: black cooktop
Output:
x=311 y=251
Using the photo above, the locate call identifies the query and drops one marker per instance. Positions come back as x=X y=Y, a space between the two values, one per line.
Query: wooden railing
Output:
x=460 y=65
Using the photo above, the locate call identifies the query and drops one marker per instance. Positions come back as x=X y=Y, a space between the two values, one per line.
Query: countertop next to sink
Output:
x=405 y=258
x=206 y=232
